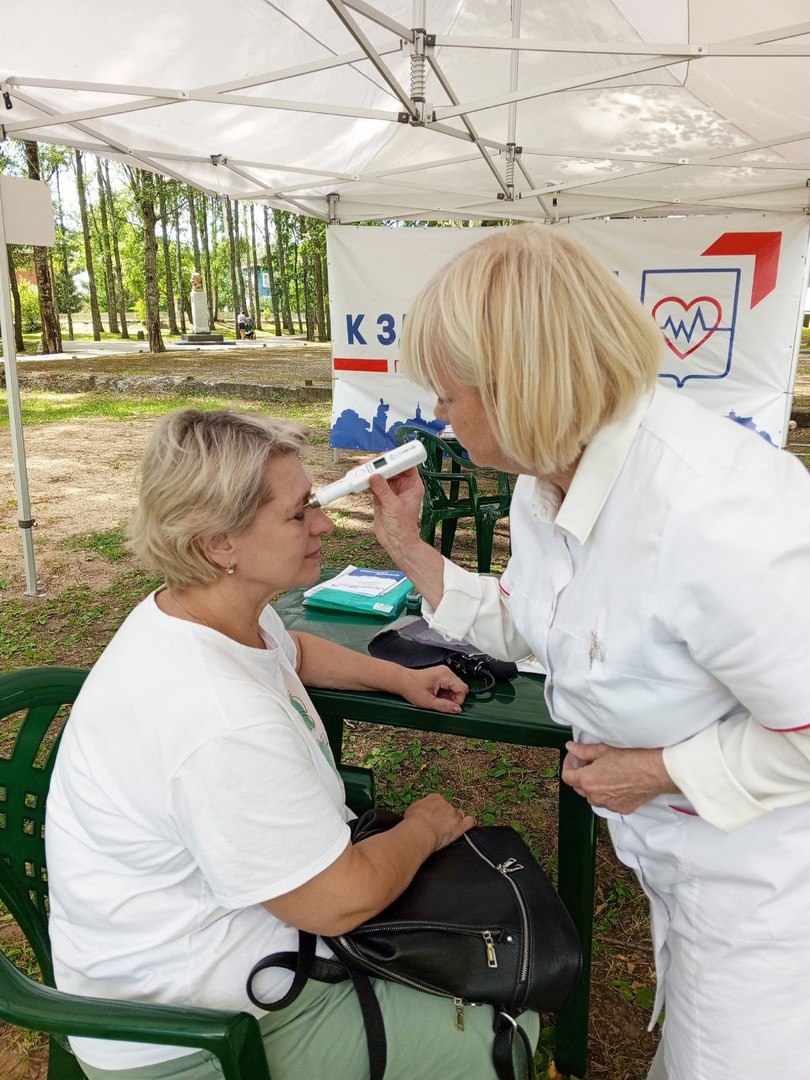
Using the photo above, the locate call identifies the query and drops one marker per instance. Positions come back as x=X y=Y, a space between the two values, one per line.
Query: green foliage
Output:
x=29 y=304
x=70 y=627
x=412 y=772
x=110 y=543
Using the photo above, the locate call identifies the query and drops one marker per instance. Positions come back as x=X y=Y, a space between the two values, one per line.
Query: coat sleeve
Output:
x=734 y=579
x=475 y=608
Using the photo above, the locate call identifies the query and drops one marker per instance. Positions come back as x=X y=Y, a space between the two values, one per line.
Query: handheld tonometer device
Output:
x=389 y=464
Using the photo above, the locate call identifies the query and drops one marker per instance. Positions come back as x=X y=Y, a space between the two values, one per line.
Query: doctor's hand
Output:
x=397 y=503
x=616 y=779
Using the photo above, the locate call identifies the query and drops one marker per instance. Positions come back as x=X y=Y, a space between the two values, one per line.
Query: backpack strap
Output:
x=304 y=964
x=373 y=1023
x=507 y=1029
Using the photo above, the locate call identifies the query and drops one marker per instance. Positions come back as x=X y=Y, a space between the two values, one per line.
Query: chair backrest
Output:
x=443 y=467
x=447 y=466
x=34 y=704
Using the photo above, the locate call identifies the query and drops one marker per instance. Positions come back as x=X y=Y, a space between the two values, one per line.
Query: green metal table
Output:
x=516 y=714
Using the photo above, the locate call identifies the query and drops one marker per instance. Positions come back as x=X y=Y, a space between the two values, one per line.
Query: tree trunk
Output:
x=325 y=278
x=112 y=299
x=167 y=262
x=309 y=329
x=51 y=331
x=256 y=268
x=250 y=282
x=183 y=303
x=19 y=341
x=229 y=215
x=240 y=277
x=81 y=191
x=67 y=281
x=284 y=288
x=119 y=277
x=316 y=233
x=212 y=311
x=143 y=188
x=297 y=285
x=192 y=220
x=268 y=253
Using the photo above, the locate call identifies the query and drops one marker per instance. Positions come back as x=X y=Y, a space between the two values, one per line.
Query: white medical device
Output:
x=391 y=463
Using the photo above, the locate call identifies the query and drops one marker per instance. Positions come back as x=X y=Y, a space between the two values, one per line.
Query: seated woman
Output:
x=195 y=817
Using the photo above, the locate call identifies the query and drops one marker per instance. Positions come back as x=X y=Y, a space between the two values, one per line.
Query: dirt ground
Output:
x=82 y=474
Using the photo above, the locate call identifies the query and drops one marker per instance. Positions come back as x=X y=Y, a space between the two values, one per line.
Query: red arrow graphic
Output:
x=764 y=246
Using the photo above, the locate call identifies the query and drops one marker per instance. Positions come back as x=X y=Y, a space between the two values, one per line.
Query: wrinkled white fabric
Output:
x=193 y=782
x=667 y=596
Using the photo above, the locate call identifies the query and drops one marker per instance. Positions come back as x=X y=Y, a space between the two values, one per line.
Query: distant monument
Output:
x=199 y=316
x=199 y=306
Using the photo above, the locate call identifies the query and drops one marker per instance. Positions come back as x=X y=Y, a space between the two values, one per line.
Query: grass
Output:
x=39 y=407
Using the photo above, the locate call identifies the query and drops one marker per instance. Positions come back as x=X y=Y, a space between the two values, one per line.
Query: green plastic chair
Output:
x=42 y=697
x=452 y=492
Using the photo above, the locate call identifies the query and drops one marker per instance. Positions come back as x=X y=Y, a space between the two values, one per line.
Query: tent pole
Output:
x=15 y=415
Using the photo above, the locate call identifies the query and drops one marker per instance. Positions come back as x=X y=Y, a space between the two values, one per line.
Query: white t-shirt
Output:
x=193 y=782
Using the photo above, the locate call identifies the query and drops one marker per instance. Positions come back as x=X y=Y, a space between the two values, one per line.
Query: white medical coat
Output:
x=668 y=599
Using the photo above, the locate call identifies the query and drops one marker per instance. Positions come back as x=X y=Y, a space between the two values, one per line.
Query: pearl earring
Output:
x=229 y=568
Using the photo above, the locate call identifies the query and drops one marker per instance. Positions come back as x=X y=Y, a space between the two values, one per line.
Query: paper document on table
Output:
x=376 y=592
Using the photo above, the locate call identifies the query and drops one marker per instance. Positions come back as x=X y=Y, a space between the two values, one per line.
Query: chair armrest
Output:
x=233 y=1038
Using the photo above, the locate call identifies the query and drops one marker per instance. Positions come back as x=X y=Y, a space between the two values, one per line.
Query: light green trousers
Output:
x=321 y=1036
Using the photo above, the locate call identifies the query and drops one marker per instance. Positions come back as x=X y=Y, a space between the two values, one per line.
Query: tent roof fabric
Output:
x=445 y=109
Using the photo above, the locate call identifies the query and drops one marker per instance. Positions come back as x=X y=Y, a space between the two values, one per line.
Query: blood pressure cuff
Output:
x=391 y=645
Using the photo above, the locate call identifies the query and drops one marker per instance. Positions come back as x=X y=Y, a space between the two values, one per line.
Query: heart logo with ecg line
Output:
x=678 y=324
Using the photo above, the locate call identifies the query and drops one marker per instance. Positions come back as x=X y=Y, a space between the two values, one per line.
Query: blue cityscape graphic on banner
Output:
x=351 y=431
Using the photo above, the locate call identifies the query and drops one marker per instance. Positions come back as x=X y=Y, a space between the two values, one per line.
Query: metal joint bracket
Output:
x=26 y=523
x=403 y=118
x=9 y=104
x=332 y=200
x=217 y=159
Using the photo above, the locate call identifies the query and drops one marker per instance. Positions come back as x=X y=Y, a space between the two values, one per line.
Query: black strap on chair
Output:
x=306 y=965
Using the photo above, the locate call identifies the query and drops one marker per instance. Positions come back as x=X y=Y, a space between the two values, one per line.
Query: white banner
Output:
x=726 y=292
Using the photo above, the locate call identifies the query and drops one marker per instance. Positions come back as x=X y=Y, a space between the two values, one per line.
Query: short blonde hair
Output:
x=553 y=343
x=202 y=474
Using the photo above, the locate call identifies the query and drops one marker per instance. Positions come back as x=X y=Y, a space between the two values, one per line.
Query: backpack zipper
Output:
x=489 y=937
x=506 y=869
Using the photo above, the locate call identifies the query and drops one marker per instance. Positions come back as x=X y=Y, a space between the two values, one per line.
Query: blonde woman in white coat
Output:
x=660 y=571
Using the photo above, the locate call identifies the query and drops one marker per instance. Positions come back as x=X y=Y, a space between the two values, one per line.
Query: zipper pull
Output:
x=459 y=1004
x=492 y=959
x=510 y=866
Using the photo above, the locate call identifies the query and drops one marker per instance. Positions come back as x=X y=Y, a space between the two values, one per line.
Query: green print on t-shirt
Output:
x=321 y=740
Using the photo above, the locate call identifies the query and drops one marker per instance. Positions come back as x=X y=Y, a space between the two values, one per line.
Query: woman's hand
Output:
x=396 y=525
x=372 y=874
x=397 y=503
x=436 y=813
x=616 y=779
x=433 y=688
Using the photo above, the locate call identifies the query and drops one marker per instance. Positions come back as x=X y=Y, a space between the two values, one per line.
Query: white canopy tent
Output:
x=459 y=108
x=426 y=109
